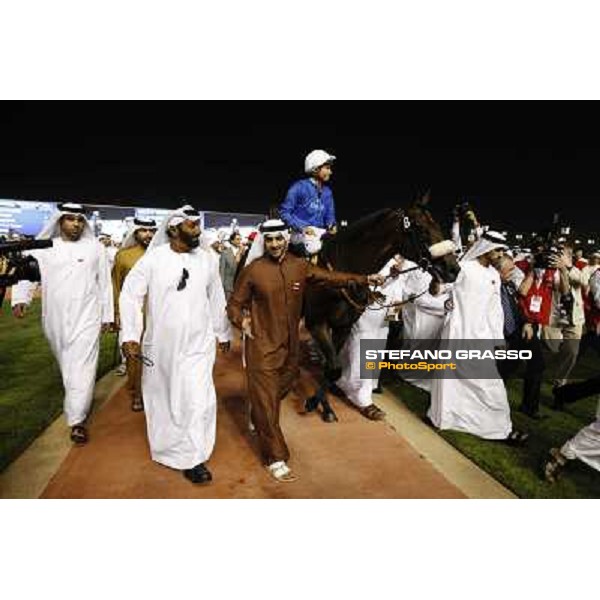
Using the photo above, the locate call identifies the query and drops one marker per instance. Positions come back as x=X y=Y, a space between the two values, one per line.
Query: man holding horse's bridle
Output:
x=266 y=305
x=308 y=209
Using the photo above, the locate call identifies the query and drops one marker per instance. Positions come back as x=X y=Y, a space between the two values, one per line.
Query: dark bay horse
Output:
x=365 y=247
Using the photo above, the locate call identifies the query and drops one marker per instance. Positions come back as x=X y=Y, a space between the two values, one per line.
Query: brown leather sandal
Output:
x=554 y=465
x=372 y=413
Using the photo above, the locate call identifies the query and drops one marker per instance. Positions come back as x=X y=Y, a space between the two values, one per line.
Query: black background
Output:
x=518 y=162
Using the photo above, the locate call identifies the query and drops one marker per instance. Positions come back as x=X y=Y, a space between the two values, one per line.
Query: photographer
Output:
x=552 y=299
x=15 y=266
x=76 y=305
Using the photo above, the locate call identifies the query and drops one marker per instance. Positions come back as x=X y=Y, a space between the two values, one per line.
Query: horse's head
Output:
x=425 y=244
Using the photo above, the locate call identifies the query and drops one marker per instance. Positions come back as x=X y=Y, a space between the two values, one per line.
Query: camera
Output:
x=565 y=309
x=462 y=210
x=543 y=257
x=14 y=266
x=541 y=260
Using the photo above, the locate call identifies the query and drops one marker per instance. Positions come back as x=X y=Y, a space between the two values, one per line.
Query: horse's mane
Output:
x=359 y=228
x=342 y=250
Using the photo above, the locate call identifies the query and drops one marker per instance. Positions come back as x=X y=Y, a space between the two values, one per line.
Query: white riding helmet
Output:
x=316 y=159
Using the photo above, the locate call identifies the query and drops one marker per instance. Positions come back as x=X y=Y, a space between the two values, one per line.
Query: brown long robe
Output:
x=125 y=260
x=273 y=293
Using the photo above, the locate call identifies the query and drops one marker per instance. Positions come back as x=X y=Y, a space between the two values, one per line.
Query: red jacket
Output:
x=537 y=304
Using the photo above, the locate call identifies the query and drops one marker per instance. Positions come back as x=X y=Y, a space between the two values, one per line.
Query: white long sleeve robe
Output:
x=371 y=325
x=477 y=406
x=423 y=319
x=76 y=299
x=586 y=444
x=181 y=327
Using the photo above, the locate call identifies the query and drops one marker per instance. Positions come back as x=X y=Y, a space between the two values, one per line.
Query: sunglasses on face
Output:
x=183 y=281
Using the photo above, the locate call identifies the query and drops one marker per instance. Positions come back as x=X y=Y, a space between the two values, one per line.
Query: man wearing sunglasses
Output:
x=184 y=317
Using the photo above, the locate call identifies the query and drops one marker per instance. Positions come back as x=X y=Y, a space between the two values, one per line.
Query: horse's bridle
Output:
x=404 y=225
x=416 y=239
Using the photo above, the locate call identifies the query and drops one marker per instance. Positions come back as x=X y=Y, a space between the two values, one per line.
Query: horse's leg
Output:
x=339 y=337
x=320 y=397
x=327 y=415
x=312 y=403
x=322 y=336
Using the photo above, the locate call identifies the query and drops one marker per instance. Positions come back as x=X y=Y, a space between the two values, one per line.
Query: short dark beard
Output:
x=73 y=236
x=189 y=240
x=144 y=243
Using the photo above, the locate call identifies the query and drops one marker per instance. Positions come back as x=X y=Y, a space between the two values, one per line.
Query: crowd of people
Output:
x=176 y=293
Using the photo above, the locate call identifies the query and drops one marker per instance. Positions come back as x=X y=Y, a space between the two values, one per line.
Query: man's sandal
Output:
x=554 y=466
x=79 y=435
x=373 y=413
x=281 y=472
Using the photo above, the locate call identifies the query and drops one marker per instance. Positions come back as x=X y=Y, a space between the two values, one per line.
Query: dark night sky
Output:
x=518 y=162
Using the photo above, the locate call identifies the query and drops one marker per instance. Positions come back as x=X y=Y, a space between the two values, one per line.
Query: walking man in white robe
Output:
x=372 y=325
x=76 y=307
x=476 y=406
x=423 y=315
x=185 y=315
x=585 y=445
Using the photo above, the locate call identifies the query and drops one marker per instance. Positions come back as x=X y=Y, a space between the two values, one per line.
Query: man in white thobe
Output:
x=212 y=242
x=185 y=315
x=372 y=325
x=423 y=315
x=111 y=249
x=76 y=306
x=476 y=406
x=585 y=445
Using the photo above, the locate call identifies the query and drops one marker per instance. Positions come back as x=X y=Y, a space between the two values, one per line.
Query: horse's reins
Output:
x=406 y=225
x=427 y=255
x=372 y=298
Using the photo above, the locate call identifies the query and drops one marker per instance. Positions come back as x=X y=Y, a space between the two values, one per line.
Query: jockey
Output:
x=308 y=208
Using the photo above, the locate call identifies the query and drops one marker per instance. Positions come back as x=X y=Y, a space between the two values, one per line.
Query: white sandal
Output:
x=281 y=472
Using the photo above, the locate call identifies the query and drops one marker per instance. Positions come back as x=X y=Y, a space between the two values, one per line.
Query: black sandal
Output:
x=79 y=435
x=517 y=438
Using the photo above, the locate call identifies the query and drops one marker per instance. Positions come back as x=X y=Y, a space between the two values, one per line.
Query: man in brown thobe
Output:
x=266 y=305
x=133 y=248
